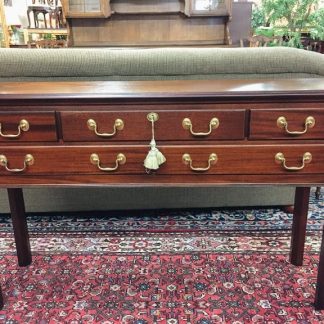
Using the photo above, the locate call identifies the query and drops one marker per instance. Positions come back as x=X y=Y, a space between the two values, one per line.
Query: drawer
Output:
x=229 y=160
x=249 y=159
x=287 y=123
x=28 y=127
x=134 y=126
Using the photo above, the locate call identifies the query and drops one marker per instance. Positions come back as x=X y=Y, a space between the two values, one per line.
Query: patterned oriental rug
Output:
x=174 y=267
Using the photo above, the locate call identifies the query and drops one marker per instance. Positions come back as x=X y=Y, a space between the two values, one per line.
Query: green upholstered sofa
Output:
x=159 y=63
x=155 y=64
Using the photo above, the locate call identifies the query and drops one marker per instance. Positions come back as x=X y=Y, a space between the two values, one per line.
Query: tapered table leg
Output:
x=298 y=234
x=319 y=294
x=19 y=222
x=1 y=299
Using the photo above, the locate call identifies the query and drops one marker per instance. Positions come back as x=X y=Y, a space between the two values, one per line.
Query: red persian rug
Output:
x=161 y=273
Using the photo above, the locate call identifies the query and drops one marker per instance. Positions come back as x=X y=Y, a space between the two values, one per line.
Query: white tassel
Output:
x=154 y=157
x=160 y=157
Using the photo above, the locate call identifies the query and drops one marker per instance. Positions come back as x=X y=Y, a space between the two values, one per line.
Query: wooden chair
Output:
x=50 y=43
x=51 y=12
x=36 y=11
x=260 y=41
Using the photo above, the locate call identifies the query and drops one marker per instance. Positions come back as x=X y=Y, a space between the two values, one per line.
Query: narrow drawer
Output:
x=287 y=123
x=180 y=160
x=171 y=125
x=27 y=127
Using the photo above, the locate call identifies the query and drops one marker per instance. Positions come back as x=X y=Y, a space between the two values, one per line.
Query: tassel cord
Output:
x=153 y=129
x=154 y=157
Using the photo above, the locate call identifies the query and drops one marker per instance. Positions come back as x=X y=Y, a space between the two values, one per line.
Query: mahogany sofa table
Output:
x=212 y=133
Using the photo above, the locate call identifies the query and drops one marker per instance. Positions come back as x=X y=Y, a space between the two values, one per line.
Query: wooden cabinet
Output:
x=86 y=8
x=147 y=23
x=104 y=8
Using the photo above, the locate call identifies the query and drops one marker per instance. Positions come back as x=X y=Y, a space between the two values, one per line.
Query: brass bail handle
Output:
x=186 y=159
x=213 y=124
x=280 y=158
x=309 y=123
x=118 y=125
x=120 y=160
x=29 y=160
x=23 y=126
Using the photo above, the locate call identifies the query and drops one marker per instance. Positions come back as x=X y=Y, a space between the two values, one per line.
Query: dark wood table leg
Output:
x=1 y=298
x=318 y=192
x=19 y=222
x=319 y=294
x=298 y=234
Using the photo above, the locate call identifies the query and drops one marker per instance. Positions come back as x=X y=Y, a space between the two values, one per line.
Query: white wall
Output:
x=17 y=13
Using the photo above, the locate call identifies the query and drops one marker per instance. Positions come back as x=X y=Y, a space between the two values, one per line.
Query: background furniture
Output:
x=240 y=24
x=50 y=10
x=171 y=23
x=261 y=41
x=39 y=10
x=318 y=192
x=4 y=36
x=50 y=43
x=41 y=32
x=50 y=26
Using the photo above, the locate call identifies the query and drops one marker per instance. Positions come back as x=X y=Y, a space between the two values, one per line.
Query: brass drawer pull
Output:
x=213 y=124
x=23 y=126
x=120 y=160
x=29 y=160
x=186 y=159
x=118 y=125
x=309 y=123
x=280 y=158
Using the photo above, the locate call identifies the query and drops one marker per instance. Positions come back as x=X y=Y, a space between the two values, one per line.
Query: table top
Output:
x=163 y=89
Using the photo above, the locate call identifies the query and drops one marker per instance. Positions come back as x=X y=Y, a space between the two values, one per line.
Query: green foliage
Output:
x=290 y=18
x=47 y=36
x=317 y=23
x=258 y=17
x=293 y=14
x=264 y=31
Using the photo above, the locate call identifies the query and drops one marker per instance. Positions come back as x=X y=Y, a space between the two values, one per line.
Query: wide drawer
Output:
x=171 y=125
x=27 y=127
x=220 y=159
x=287 y=123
